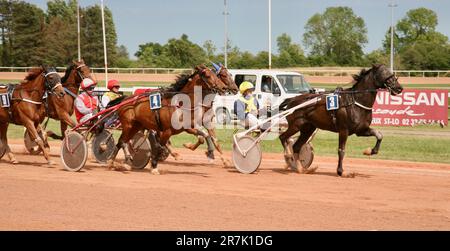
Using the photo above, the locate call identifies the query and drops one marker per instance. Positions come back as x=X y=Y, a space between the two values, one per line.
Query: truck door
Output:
x=268 y=90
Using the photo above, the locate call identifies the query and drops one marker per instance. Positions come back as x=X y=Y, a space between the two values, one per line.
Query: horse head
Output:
x=83 y=71
x=52 y=81
x=210 y=79
x=385 y=79
x=225 y=76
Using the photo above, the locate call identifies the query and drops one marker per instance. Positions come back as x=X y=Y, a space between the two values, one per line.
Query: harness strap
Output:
x=70 y=93
x=30 y=101
x=158 y=119
x=363 y=107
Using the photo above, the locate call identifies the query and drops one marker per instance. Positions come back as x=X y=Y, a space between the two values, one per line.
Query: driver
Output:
x=246 y=106
x=86 y=104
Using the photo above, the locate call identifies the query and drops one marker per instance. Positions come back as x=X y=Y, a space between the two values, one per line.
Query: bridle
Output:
x=50 y=86
x=213 y=87
x=79 y=72
x=389 y=82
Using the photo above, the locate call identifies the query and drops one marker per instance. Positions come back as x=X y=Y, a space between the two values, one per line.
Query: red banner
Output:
x=411 y=107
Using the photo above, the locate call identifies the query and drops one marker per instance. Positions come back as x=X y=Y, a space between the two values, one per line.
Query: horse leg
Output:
x=284 y=138
x=4 y=140
x=372 y=132
x=305 y=133
x=201 y=134
x=212 y=134
x=63 y=126
x=172 y=151
x=343 y=135
x=193 y=147
x=34 y=135
x=40 y=131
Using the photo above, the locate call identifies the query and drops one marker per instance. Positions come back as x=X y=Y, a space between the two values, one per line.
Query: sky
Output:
x=141 y=21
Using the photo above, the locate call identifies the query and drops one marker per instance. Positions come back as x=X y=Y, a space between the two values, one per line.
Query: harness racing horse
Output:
x=71 y=81
x=227 y=79
x=353 y=115
x=27 y=107
x=138 y=116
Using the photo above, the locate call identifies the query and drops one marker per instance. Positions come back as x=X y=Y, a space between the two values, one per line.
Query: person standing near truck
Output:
x=246 y=106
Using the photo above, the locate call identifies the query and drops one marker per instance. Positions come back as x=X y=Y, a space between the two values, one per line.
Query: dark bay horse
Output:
x=71 y=81
x=138 y=116
x=227 y=79
x=28 y=106
x=353 y=116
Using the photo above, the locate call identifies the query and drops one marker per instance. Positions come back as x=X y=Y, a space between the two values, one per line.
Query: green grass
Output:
x=395 y=147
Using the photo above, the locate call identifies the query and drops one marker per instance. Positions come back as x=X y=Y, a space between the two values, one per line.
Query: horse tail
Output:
x=283 y=106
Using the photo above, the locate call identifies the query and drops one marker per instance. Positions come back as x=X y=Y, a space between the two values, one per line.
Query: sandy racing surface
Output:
x=192 y=194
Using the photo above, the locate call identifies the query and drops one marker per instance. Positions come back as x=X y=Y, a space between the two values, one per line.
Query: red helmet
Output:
x=113 y=83
x=86 y=83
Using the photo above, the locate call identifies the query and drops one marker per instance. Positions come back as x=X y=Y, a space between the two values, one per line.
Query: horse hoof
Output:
x=155 y=172
x=110 y=164
x=176 y=156
x=188 y=146
x=309 y=170
x=368 y=152
x=14 y=162
x=127 y=167
x=51 y=163
x=348 y=175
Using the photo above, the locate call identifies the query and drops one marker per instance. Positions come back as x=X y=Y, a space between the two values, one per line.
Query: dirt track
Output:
x=194 y=195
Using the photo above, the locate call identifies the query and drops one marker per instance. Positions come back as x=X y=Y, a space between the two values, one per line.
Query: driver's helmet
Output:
x=246 y=86
x=87 y=84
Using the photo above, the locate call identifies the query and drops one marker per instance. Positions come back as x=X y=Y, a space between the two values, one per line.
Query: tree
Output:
x=60 y=32
x=290 y=54
x=92 y=36
x=26 y=34
x=417 y=42
x=210 y=49
x=337 y=34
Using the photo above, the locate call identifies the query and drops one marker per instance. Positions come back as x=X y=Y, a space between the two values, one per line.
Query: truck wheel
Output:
x=223 y=116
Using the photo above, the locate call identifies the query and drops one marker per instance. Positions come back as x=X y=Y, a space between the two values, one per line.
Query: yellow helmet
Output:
x=245 y=86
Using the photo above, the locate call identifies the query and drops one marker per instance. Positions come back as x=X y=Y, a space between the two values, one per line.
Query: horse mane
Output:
x=181 y=81
x=33 y=73
x=363 y=73
x=67 y=73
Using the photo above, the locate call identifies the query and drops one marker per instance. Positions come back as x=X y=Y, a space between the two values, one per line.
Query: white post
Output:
x=78 y=24
x=392 y=5
x=104 y=45
x=270 y=34
x=225 y=13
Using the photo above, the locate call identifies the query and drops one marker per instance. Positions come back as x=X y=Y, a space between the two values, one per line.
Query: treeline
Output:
x=336 y=37
x=30 y=36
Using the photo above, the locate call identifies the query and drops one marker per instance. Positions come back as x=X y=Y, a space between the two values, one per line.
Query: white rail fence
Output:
x=309 y=72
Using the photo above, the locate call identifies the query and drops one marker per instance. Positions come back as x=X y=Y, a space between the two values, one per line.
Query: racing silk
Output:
x=244 y=106
x=108 y=97
x=85 y=105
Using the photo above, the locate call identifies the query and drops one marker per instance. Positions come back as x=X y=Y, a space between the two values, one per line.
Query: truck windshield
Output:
x=293 y=83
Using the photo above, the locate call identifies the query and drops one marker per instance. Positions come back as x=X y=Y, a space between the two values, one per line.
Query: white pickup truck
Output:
x=272 y=87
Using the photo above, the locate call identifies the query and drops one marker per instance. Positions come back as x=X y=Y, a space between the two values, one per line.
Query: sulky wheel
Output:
x=2 y=149
x=140 y=151
x=31 y=146
x=306 y=156
x=250 y=162
x=74 y=152
x=103 y=146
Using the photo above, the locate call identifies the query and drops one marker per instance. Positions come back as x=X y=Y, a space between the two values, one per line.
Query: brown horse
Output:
x=28 y=106
x=211 y=138
x=138 y=116
x=71 y=81
x=353 y=116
